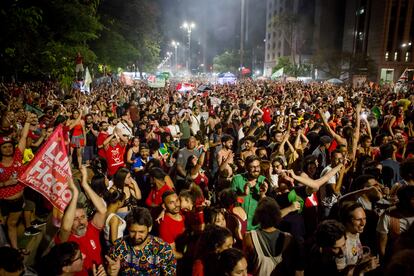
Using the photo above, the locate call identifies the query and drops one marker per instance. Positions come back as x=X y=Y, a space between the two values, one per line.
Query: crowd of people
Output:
x=257 y=178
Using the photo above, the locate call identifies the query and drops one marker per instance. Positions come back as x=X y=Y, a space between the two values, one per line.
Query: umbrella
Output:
x=245 y=71
x=335 y=81
x=204 y=87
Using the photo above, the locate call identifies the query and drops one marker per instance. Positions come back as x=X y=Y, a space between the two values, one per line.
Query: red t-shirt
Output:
x=115 y=158
x=99 y=142
x=15 y=170
x=267 y=118
x=155 y=196
x=90 y=246
x=170 y=228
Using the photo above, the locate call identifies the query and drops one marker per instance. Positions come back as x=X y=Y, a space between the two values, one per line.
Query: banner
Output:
x=49 y=171
x=277 y=74
x=88 y=81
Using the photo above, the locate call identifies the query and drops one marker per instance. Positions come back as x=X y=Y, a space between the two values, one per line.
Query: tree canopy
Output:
x=42 y=37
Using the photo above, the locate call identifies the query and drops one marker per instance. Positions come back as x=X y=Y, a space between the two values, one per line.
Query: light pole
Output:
x=189 y=27
x=175 y=44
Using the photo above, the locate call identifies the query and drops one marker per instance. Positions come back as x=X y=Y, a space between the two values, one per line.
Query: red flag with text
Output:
x=49 y=171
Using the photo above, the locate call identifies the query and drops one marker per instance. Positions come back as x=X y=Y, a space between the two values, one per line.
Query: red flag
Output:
x=49 y=171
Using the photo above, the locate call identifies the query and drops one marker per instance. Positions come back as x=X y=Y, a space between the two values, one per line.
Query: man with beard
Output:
x=183 y=155
x=251 y=187
x=249 y=147
x=172 y=224
x=327 y=256
x=76 y=227
x=141 y=253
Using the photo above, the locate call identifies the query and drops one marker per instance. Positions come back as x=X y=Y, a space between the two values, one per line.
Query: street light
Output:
x=175 y=44
x=189 y=27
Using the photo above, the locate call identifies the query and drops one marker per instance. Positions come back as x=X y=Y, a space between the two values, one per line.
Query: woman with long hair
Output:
x=124 y=182
x=114 y=224
x=213 y=240
x=195 y=173
x=78 y=133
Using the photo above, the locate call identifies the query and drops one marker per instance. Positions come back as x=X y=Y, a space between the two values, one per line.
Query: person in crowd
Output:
x=225 y=161
x=125 y=183
x=114 y=224
x=114 y=152
x=66 y=259
x=159 y=187
x=11 y=190
x=102 y=135
x=213 y=240
x=76 y=227
x=78 y=133
x=353 y=217
x=11 y=262
x=395 y=220
x=172 y=225
x=269 y=250
x=232 y=262
x=249 y=147
x=251 y=186
x=321 y=152
x=327 y=256
x=90 y=152
x=135 y=253
x=183 y=155
x=195 y=172
x=330 y=193
x=133 y=151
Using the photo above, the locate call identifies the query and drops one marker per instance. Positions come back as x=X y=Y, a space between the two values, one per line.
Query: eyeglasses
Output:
x=78 y=258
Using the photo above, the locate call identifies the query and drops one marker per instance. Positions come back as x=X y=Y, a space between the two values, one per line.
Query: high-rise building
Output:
x=382 y=30
x=300 y=28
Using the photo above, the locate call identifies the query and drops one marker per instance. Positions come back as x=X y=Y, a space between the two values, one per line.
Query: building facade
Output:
x=383 y=30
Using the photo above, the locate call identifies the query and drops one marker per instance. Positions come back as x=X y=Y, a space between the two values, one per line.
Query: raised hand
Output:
x=113 y=265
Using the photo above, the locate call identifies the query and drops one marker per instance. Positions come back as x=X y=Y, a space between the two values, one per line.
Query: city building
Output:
x=383 y=30
x=300 y=28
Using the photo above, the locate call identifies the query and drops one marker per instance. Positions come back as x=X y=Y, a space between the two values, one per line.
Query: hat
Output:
x=325 y=139
x=5 y=139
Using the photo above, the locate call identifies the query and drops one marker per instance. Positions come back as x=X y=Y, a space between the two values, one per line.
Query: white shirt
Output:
x=174 y=129
x=125 y=129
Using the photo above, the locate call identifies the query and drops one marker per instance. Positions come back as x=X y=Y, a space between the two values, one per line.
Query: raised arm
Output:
x=355 y=137
x=338 y=138
x=316 y=184
x=25 y=131
x=69 y=215
x=100 y=215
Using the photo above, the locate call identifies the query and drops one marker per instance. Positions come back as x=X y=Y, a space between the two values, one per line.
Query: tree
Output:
x=291 y=69
x=130 y=34
x=338 y=64
x=41 y=38
x=227 y=61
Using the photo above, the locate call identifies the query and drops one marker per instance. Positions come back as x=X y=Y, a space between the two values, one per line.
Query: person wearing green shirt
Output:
x=251 y=187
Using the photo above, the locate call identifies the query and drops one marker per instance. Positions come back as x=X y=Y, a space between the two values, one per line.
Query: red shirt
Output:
x=15 y=170
x=155 y=196
x=170 y=228
x=99 y=142
x=90 y=246
x=115 y=158
x=267 y=118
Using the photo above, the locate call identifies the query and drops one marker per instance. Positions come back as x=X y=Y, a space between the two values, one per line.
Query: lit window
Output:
x=386 y=56
x=407 y=56
x=395 y=56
